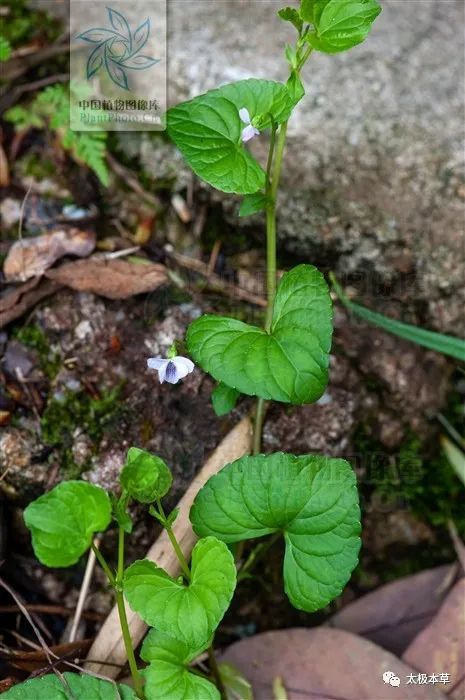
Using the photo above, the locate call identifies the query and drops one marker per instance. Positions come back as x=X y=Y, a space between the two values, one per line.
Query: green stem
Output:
x=120 y=569
x=304 y=58
x=258 y=426
x=273 y=175
x=272 y=183
x=175 y=544
x=256 y=554
x=136 y=678
x=101 y=560
x=216 y=672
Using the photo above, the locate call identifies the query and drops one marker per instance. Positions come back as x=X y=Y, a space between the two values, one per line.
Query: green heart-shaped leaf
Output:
x=145 y=476
x=288 y=364
x=166 y=604
x=73 y=687
x=311 y=499
x=252 y=203
x=224 y=398
x=167 y=675
x=341 y=24
x=63 y=521
x=207 y=130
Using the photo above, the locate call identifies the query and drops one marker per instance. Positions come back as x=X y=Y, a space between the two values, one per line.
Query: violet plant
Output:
x=309 y=500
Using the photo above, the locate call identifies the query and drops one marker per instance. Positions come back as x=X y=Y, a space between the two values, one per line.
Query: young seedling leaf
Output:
x=290 y=363
x=64 y=520
x=72 y=687
x=224 y=399
x=166 y=604
x=168 y=675
x=120 y=512
x=290 y=14
x=252 y=203
x=311 y=499
x=145 y=476
x=341 y=24
x=445 y=344
x=208 y=130
x=295 y=87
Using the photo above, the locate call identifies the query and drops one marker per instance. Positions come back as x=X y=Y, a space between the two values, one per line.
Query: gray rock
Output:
x=24 y=474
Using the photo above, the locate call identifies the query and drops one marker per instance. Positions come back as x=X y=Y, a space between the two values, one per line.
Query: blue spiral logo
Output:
x=118 y=49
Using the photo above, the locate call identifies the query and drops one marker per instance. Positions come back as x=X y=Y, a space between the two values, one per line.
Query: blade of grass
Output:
x=455 y=457
x=445 y=344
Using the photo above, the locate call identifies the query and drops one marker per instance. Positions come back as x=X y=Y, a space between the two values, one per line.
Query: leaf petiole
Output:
x=137 y=680
x=174 y=542
x=216 y=672
x=101 y=560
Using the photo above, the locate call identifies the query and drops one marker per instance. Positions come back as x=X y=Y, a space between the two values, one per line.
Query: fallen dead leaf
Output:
x=4 y=169
x=30 y=257
x=113 y=279
x=35 y=660
x=394 y=614
x=440 y=647
x=16 y=302
x=323 y=664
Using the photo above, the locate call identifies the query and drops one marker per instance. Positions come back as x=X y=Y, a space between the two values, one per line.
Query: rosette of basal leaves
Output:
x=69 y=685
x=167 y=603
x=64 y=520
x=168 y=674
x=118 y=48
x=207 y=130
x=338 y=25
x=289 y=363
x=312 y=500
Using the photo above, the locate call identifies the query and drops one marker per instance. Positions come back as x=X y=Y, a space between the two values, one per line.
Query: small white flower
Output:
x=249 y=131
x=171 y=370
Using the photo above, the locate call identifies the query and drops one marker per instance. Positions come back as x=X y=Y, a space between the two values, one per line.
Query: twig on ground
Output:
x=52 y=658
x=22 y=380
x=46 y=649
x=131 y=180
x=19 y=637
x=52 y=610
x=214 y=281
x=213 y=258
x=84 y=591
x=119 y=253
x=181 y=208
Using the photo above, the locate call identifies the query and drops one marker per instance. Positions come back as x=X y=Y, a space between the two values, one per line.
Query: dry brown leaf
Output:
x=323 y=664
x=440 y=647
x=15 y=303
x=34 y=660
x=113 y=279
x=4 y=169
x=108 y=646
x=394 y=614
x=30 y=257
